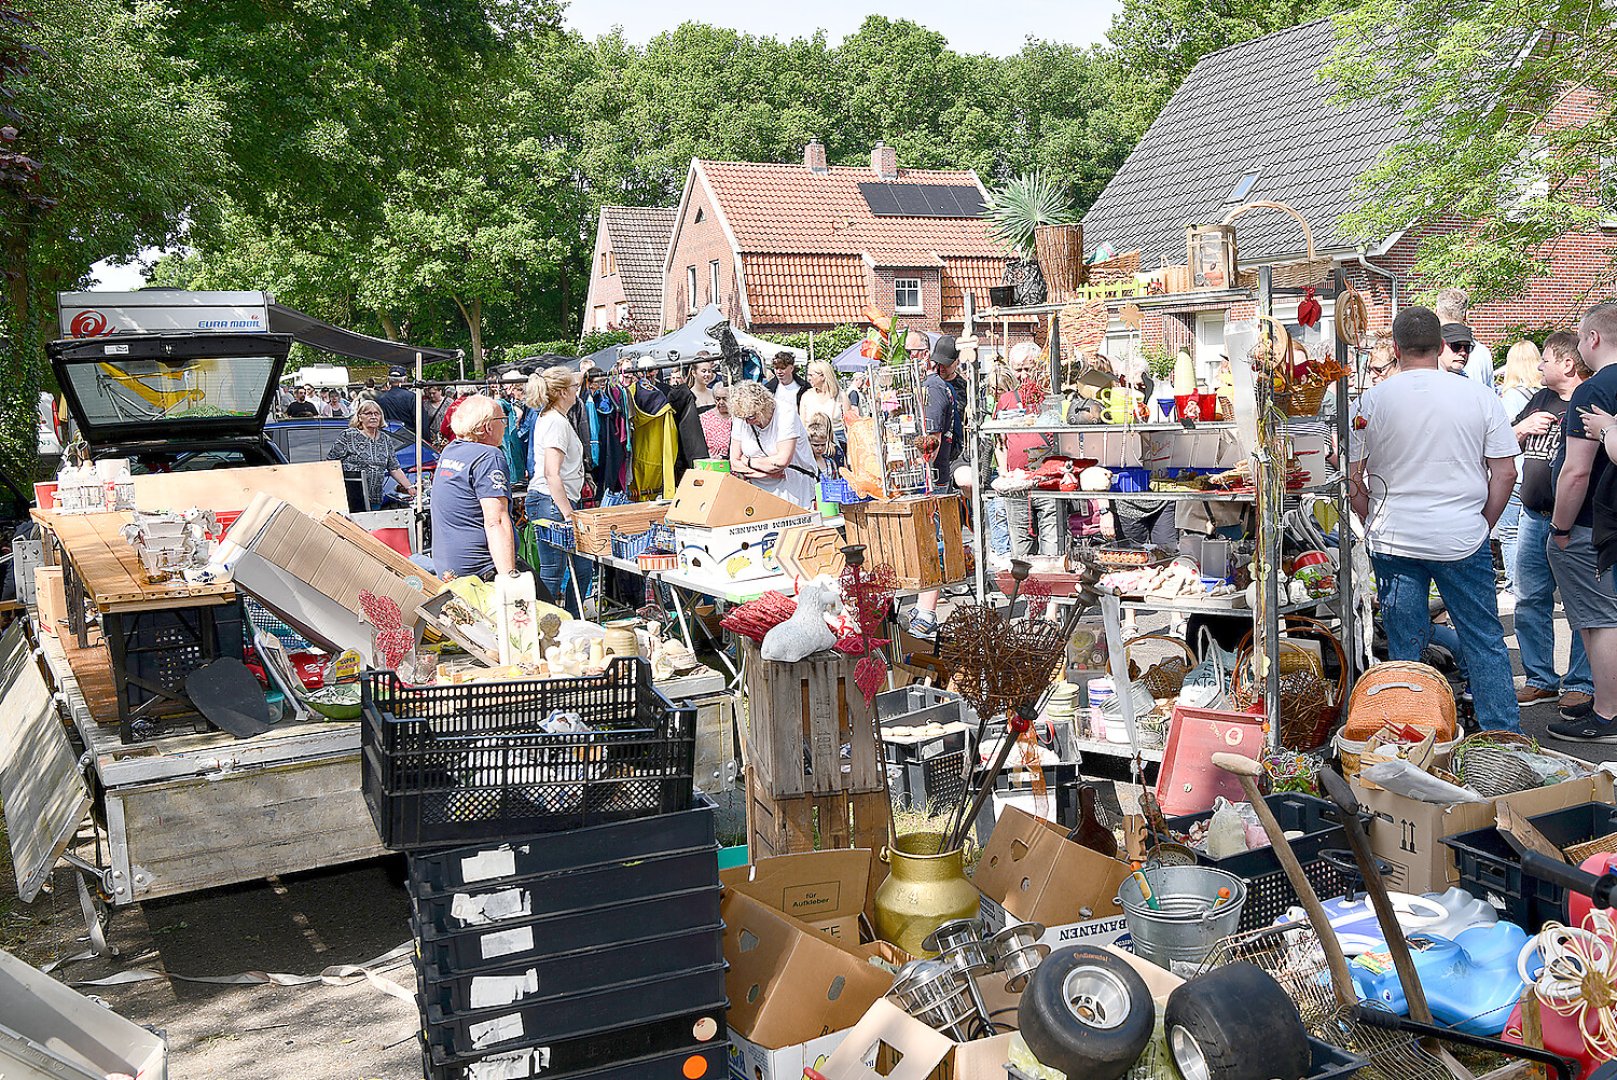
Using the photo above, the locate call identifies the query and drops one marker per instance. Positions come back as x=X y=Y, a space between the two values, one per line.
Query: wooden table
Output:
x=155 y=632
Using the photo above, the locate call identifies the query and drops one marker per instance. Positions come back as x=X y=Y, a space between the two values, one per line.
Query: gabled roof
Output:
x=787 y=209
x=639 y=238
x=1255 y=107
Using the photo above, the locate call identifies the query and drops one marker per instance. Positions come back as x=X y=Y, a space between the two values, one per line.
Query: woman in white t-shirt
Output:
x=824 y=397
x=556 y=465
x=769 y=447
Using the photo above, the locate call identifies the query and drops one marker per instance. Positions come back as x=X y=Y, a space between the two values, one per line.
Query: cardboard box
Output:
x=749 y=1061
x=889 y=1043
x=50 y=597
x=1031 y=872
x=791 y=984
x=727 y=553
x=1408 y=833
x=712 y=499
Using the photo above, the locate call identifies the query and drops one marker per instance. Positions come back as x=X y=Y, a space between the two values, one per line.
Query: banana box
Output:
x=724 y=554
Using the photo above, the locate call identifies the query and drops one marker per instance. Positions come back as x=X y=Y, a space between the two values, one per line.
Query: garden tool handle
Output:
x=1337 y=790
x=1247 y=771
x=1602 y=888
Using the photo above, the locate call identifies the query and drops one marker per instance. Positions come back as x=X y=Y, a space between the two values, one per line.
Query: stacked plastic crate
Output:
x=563 y=876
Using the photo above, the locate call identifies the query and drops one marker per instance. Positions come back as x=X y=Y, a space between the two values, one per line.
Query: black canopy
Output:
x=322 y=335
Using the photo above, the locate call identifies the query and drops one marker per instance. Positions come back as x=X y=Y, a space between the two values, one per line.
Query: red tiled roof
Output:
x=969 y=275
x=784 y=209
x=792 y=290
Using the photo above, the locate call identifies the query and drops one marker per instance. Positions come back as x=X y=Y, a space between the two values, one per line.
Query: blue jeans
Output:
x=553 y=561
x=1467 y=588
x=1507 y=532
x=1535 y=612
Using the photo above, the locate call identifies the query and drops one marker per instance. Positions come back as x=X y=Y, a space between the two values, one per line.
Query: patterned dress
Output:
x=717 y=430
x=370 y=459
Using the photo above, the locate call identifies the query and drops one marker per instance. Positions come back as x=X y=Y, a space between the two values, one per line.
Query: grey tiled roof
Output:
x=639 y=237
x=1258 y=106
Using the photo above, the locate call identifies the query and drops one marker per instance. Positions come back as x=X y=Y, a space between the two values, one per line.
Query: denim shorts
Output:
x=1589 y=598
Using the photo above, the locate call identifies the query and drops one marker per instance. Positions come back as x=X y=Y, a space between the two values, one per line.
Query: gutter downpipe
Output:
x=1383 y=272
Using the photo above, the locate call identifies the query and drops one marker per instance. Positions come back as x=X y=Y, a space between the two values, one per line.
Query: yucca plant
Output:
x=1022 y=205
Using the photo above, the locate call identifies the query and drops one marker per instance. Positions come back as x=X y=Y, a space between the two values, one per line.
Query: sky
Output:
x=1076 y=22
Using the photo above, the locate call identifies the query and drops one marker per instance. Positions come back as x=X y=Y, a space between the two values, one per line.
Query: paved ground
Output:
x=298 y=925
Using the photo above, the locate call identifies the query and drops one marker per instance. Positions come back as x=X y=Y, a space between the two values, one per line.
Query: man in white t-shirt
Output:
x=1432 y=465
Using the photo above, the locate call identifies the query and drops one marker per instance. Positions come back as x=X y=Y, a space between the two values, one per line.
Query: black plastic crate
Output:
x=156 y=651
x=1268 y=891
x=572 y=890
x=458 y=764
x=625 y=1004
x=509 y=943
x=659 y=1048
x=937 y=782
x=1489 y=866
x=562 y=974
x=482 y=866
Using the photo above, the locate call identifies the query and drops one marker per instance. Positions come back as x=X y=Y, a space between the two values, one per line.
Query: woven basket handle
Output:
x=1266 y=204
x=1190 y=656
x=1379 y=687
x=1313 y=626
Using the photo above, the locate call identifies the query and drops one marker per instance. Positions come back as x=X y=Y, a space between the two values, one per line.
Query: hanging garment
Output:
x=654 y=441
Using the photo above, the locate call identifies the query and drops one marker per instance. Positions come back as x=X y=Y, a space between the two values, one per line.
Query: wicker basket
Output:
x=1302 y=399
x=1600 y=845
x=1402 y=692
x=1312 y=270
x=1166 y=677
x=1309 y=706
x=1486 y=764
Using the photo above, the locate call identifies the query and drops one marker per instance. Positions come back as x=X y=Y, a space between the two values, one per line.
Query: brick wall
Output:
x=697 y=244
x=883 y=294
x=604 y=292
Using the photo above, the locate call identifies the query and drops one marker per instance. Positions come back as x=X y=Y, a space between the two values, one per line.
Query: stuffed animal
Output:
x=806 y=631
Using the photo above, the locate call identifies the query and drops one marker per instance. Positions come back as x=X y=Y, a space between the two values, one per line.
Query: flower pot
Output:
x=1023 y=276
x=1061 y=259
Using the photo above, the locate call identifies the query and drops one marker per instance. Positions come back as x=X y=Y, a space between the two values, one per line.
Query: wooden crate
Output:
x=818 y=823
x=715 y=744
x=812 y=703
x=906 y=532
x=593 y=528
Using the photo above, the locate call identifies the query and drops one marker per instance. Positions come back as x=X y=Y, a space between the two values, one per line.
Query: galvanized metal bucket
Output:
x=1192 y=918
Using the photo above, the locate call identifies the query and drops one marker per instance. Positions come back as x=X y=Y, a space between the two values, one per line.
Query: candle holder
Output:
x=937 y=995
x=1019 y=951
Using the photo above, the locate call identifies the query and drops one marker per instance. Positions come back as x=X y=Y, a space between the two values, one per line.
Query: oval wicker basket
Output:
x=1166 y=677
x=1401 y=692
x=1485 y=763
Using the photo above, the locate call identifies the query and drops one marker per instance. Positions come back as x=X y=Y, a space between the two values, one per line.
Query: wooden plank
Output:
x=313 y=487
x=866 y=772
x=403 y=567
x=109 y=568
x=822 y=710
x=191 y=834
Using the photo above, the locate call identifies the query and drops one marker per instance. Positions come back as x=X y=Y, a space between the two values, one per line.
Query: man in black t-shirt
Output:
x=1539 y=432
x=301 y=406
x=1590 y=599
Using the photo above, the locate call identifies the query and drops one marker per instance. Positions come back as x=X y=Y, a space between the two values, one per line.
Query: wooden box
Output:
x=807 y=551
x=919 y=536
x=592 y=529
x=843 y=819
x=812 y=703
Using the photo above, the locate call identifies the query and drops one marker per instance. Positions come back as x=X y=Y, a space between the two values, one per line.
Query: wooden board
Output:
x=110 y=570
x=906 y=533
x=812 y=702
x=312 y=486
x=347 y=527
x=185 y=835
x=818 y=823
x=715 y=744
x=92 y=670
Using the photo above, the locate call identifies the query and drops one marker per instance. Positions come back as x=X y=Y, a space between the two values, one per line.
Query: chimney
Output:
x=884 y=162
x=814 y=157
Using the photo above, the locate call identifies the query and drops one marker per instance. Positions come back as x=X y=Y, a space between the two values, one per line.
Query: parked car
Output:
x=311 y=438
x=173 y=402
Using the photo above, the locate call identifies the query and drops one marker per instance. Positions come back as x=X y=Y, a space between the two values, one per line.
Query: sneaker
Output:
x=1529 y=694
x=1590 y=728
x=1575 y=704
x=923 y=626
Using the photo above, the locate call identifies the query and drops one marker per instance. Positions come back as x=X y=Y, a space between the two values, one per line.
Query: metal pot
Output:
x=925 y=889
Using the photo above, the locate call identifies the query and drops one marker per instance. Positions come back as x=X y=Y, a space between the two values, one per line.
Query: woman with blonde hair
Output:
x=368 y=459
x=471 y=496
x=769 y=446
x=825 y=397
x=556 y=463
x=1521 y=382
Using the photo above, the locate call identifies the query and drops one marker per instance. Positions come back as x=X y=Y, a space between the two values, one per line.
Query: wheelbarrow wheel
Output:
x=1086 y=1013
x=1235 y=1023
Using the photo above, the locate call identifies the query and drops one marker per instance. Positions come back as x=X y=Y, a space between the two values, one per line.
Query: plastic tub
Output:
x=1131 y=479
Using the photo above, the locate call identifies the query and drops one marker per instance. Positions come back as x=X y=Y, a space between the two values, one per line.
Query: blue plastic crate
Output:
x=836 y=489
x=1131 y=479
x=633 y=545
x=555 y=533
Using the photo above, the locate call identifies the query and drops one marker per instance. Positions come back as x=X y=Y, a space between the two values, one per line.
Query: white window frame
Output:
x=1209 y=346
x=621 y=314
x=690 y=287
x=713 y=280
x=898 y=288
x=598 y=317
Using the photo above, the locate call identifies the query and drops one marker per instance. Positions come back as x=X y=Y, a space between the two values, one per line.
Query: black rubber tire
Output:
x=1242 y=1025
x=1099 y=1038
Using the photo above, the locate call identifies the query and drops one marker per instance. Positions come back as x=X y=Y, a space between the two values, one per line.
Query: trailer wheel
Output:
x=1236 y=1023
x=1086 y=1013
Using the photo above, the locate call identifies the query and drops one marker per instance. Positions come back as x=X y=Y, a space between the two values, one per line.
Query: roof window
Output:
x=1243 y=188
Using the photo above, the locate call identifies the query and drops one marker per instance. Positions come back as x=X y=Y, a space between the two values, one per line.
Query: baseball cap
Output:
x=1457 y=331
x=396 y=373
x=944 y=351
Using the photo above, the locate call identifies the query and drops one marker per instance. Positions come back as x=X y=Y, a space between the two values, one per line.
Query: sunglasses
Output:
x=1462 y=347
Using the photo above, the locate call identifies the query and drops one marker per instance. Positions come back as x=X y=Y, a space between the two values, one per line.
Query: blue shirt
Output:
x=466 y=473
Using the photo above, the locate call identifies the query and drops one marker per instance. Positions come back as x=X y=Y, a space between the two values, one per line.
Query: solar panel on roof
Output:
x=922 y=200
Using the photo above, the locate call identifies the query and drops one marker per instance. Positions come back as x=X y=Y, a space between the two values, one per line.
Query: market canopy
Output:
x=333 y=339
x=701 y=338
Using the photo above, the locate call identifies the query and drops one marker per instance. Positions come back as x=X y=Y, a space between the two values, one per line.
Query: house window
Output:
x=701 y=216
x=611 y=262
x=604 y=255
x=713 y=281
x=598 y=317
x=1209 y=347
x=690 y=287
x=1243 y=188
x=622 y=315
x=907 y=294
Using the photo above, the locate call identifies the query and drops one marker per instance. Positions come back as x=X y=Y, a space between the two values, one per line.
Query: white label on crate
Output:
x=517 y=1065
x=490 y=907
x=498 y=1030
x=506 y=942
x=498 y=862
x=489 y=991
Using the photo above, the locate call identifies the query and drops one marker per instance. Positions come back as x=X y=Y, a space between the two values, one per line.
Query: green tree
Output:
x=1507 y=115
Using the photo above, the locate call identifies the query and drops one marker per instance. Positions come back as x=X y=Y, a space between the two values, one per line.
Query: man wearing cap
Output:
x=1458 y=345
x=1454 y=306
x=397 y=402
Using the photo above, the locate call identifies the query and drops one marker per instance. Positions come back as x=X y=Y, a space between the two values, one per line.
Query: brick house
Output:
x=782 y=248
x=626 y=274
x=1255 y=122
